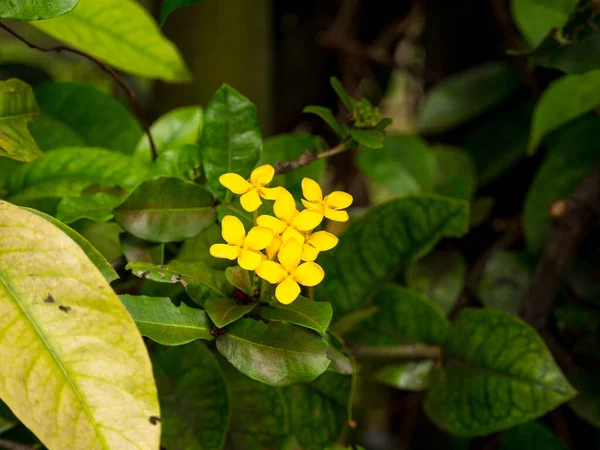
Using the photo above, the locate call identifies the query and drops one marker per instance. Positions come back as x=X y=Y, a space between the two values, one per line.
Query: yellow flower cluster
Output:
x=288 y=239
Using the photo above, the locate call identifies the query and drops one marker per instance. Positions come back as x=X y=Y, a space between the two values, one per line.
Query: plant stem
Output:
x=308 y=157
x=412 y=351
x=311 y=293
x=263 y=290
x=255 y=216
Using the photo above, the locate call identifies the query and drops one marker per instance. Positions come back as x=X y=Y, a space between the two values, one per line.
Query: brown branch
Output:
x=11 y=445
x=403 y=352
x=132 y=98
x=309 y=156
x=567 y=233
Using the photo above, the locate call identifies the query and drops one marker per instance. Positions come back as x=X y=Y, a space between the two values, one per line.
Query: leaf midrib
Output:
x=233 y=336
x=308 y=318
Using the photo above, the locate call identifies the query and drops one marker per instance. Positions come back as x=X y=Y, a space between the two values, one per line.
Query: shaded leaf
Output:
x=346 y=99
x=456 y=172
x=64 y=291
x=302 y=311
x=103 y=236
x=531 y=435
x=97 y=207
x=235 y=209
x=349 y=322
x=223 y=311
x=197 y=248
x=240 y=278
x=163 y=322
x=369 y=138
x=329 y=118
x=340 y=363
x=136 y=249
x=183 y=162
x=536 y=19
x=172 y=5
x=587 y=402
x=7 y=418
x=409 y=376
x=27 y=10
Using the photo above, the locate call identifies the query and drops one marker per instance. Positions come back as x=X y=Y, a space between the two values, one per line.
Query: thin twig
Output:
x=411 y=351
x=11 y=445
x=309 y=156
x=132 y=98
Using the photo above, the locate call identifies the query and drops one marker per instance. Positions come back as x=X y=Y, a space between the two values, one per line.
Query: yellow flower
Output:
x=331 y=206
x=289 y=221
x=289 y=273
x=245 y=248
x=251 y=190
x=317 y=242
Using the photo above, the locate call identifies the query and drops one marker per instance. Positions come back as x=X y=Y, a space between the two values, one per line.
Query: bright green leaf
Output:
x=302 y=311
x=223 y=311
x=94 y=366
x=498 y=366
x=456 y=172
x=183 y=162
x=277 y=354
x=166 y=210
x=409 y=376
x=17 y=109
x=587 y=402
x=329 y=118
x=231 y=140
x=27 y=10
x=138 y=250
x=171 y=5
x=163 y=322
x=135 y=45
x=97 y=207
x=369 y=138
x=536 y=18
x=393 y=233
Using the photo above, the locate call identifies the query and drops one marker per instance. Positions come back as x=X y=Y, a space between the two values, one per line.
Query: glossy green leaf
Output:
x=172 y=5
x=138 y=250
x=393 y=233
x=499 y=373
x=240 y=278
x=329 y=118
x=7 y=418
x=404 y=165
x=67 y=172
x=17 y=109
x=537 y=18
x=277 y=354
x=302 y=311
x=587 y=402
x=567 y=98
x=107 y=363
x=340 y=363
x=27 y=10
x=172 y=131
x=231 y=140
x=531 y=435
x=183 y=162
x=193 y=397
x=94 y=255
x=287 y=147
x=409 y=376
x=223 y=311
x=166 y=210
x=200 y=281
x=505 y=282
x=571 y=157
x=135 y=45
x=97 y=207
x=197 y=248
x=456 y=172
x=439 y=276
x=81 y=115
x=163 y=322
x=369 y=138
x=465 y=96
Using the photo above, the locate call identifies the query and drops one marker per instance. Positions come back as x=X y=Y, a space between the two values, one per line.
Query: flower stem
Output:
x=263 y=290
x=311 y=293
x=255 y=216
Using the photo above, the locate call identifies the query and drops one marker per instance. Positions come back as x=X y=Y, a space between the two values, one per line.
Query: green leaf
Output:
x=587 y=402
x=94 y=255
x=277 y=354
x=171 y=5
x=505 y=282
x=465 y=96
x=404 y=165
x=172 y=131
x=346 y=99
x=17 y=108
x=97 y=207
x=193 y=397
x=340 y=363
x=81 y=115
x=138 y=250
x=103 y=236
x=7 y=418
x=329 y=118
x=349 y=322
x=231 y=140
x=439 y=276
x=531 y=435
x=27 y=10
x=567 y=98
x=183 y=162
x=166 y=210
x=200 y=281
x=287 y=147
x=499 y=373
x=197 y=248
x=393 y=233
x=409 y=376
x=163 y=322
x=223 y=311
x=67 y=172
x=537 y=18
x=571 y=157
x=240 y=278
x=302 y=311
x=235 y=209
x=135 y=45
x=47 y=286
x=369 y=138
x=456 y=172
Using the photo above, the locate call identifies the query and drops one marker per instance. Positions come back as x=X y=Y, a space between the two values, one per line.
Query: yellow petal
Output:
x=309 y=253
x=251 y=200
x=311 y=190
x=258 y=238
x=338 y=200
x=323 y=241
x=312 y=206
x=292 y=233
x=269 y=193
x=338 y=216
x=262 y=175
x=308 y=274
x=285 y=206
x=224 y=251
x=271 y=271
x=287 y=291
x=274 y=247
x=235 y=183
x=271 y=222
x=307 y=220
x=233 y=230
x=289 y=254
x=249 y=259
